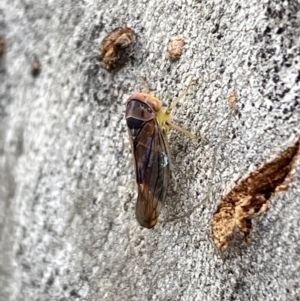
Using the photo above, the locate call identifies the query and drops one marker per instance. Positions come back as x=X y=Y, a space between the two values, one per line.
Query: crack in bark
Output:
x=250 y=197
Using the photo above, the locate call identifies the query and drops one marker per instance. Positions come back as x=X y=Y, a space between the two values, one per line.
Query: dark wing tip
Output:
x=145 y=222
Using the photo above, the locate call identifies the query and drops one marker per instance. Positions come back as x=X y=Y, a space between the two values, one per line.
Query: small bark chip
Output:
x=175 y=48
x=35 y=67
x=2 y=46
x=232 y=98
x=116 y=47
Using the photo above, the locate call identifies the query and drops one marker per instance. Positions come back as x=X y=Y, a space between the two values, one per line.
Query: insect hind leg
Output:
x=172 y=169
x=180 y=97
x=180 y=129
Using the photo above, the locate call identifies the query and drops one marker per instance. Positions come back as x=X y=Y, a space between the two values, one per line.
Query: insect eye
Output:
x=146 y=107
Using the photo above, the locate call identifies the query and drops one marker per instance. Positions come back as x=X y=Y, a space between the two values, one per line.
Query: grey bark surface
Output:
x=67 y=190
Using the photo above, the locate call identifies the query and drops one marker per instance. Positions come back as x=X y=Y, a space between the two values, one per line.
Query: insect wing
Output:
x=152 y=166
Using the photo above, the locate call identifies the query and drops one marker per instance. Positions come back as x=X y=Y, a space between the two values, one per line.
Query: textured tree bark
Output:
x=67 y=190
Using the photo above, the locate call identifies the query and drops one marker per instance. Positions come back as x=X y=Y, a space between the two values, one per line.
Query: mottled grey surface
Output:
x=67 y=190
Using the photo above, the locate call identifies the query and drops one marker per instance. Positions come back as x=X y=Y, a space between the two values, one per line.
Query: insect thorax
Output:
x=162 y=117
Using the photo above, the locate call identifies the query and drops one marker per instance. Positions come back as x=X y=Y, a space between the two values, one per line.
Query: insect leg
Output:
x=180 y=129
x=180 y=97
x=172 y=172
x=172 y=166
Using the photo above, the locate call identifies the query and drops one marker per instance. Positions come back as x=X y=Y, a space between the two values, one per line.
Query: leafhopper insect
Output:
x=148 y=125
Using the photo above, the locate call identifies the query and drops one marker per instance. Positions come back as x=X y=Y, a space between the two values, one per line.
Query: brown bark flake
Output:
x=250 y=197
x=115 y=47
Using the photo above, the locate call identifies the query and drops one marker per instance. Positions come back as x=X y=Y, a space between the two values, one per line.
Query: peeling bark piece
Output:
x=250 y=197
x=2 y=46
x=116 y=46
x=175 y=48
